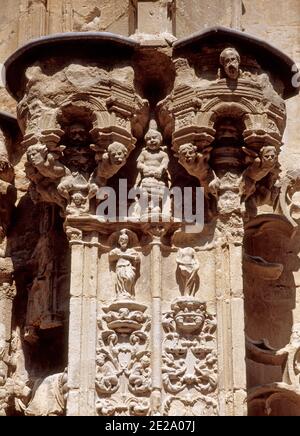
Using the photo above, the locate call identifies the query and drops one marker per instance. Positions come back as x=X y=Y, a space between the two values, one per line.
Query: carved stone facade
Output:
x=121 y=294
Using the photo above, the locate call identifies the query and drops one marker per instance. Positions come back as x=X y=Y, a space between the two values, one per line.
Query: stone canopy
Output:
x=124 y=310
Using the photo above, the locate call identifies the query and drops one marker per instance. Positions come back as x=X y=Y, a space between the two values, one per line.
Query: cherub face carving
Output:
x=153 y=139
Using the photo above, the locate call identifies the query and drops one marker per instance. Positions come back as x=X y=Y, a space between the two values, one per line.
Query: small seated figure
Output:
x=196 y=164
x=260 y=166
x=152 y=165
x=77 y=191
x=139 y=379
x=110 y=162
x=107 y=380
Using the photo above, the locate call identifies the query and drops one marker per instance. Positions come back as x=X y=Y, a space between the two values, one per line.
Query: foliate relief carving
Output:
x=189 y=356
x=7 y=291
x=125 y=262
x=152 y=180
x=199 y=406
x=123 y=369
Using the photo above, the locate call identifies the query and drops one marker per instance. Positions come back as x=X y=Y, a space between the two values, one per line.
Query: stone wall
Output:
x=223 y=304
x=22 y=20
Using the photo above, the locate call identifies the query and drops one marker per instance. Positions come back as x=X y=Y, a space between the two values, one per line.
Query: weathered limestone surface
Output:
x=138 y=316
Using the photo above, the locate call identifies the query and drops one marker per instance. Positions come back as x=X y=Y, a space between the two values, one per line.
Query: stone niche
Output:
x=129 y=310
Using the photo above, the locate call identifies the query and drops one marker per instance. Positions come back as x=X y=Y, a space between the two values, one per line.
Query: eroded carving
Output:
x=110 y=162
x=125 y=262
x=45 y=293
x=152 y=164
x=289 y=198
x=83 y=138
x=262 y=168
x=196 y=164
x=230 y=61
x=123 y=361
x=189 y=353
x=187 y=268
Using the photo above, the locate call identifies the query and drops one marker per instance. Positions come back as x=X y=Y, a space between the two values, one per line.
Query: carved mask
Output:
x=187 y=153
x=230 y=60
x=117 y=154
x=269 y=156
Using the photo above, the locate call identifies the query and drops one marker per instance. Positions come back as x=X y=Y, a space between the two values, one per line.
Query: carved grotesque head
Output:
x=269 y=155
x=230 y=61
x=77 y=134
x=123 y=239
x=153 y=139
x=187 y=153
x=36 y=154
x=117 y=153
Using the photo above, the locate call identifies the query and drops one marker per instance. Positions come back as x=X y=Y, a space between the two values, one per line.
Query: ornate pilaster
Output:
x=226 y=119
x=156 y=314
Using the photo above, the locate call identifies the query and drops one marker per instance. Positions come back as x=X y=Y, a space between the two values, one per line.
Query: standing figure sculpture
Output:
x=187 y=269
x=125 y=262
x=152 y=164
